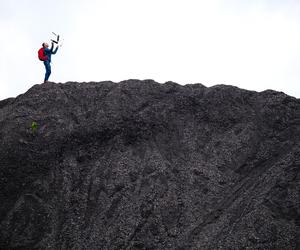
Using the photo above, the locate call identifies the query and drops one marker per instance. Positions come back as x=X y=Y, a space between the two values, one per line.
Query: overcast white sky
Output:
x=250 y=44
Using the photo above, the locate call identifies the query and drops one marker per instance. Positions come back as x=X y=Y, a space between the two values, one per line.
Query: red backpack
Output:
x=41 y=54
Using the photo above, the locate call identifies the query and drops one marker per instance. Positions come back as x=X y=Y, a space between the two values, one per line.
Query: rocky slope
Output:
x=142 y=165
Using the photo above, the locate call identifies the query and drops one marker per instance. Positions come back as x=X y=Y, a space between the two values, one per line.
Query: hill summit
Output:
x=143 y=165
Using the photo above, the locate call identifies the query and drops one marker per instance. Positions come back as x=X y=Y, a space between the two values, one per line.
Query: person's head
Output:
x=45 y=45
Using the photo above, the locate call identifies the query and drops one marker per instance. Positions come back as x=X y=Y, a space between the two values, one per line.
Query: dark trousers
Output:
x=48 y=70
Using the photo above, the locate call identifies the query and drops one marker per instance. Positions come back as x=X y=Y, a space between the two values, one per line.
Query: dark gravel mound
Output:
x=142 y=165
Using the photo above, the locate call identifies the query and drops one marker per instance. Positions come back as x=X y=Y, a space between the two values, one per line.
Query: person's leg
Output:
x=48 y=70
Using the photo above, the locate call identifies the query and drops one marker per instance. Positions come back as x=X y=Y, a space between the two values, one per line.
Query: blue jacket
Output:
x=49 y=52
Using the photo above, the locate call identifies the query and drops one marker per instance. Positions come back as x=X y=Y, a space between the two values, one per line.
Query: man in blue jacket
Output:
x=48 y=52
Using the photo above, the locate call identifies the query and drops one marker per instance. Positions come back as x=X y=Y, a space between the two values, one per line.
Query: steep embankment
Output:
x=142 y=165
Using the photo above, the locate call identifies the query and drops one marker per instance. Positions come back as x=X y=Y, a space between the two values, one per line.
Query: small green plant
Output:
x=34 y=127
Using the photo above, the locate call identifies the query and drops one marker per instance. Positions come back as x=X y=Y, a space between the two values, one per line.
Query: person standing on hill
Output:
x=45 y=56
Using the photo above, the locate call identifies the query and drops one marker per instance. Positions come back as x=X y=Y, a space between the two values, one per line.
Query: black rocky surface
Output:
x=142 y=165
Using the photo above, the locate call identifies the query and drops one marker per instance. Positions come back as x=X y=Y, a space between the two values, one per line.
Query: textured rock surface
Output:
x=142 y=165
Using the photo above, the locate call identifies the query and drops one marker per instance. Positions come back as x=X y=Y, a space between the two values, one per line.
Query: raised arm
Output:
x=54 y=52
x=52 y=46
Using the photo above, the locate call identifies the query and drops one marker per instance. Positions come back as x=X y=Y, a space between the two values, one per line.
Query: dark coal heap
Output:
x=143 y=165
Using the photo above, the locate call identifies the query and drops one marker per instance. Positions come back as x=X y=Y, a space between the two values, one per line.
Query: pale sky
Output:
x=252 y=44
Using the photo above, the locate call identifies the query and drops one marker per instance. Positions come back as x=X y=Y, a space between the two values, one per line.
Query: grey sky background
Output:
x=250 y=44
